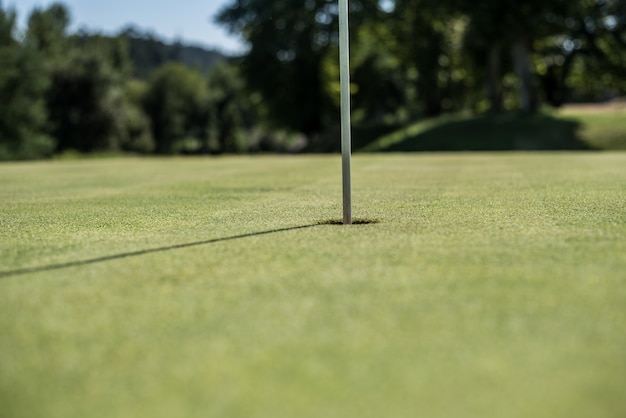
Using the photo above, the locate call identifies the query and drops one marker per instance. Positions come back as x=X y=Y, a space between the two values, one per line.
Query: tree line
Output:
x=413 y=58
x=88 y=92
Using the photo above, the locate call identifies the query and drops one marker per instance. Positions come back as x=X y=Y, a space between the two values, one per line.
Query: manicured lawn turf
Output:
x=492 y=285
x=601 y=129
x=594 y=128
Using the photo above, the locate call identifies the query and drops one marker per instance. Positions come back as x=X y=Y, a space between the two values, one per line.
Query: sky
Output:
x=190 y=21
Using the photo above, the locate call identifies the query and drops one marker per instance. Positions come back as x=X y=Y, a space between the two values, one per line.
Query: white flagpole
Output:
x=346 y=143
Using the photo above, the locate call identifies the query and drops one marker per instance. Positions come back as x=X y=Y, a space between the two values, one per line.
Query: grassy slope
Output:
x=564 y=130
x=601 y=130
x=492 y=286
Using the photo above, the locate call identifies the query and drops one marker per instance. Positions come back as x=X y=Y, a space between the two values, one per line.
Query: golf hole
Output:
x=358 y=221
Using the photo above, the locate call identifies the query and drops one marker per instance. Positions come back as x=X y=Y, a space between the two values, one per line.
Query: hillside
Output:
x=148 y=52
x=573 y=128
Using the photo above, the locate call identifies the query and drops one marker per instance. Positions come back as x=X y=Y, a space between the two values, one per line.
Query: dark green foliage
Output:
x=47 y=30
x=22 y=88
x=593 y=58
x=79 y=99
x=233 y=114
x=147 y=53
x=380 y=88
x=362 y=135
x=420 y=28
x=76 y=88
x=7 y=27
x=114 y=50
x=289 y=42
x=176 y=103
x=443 y=54
x=81 y=91
x=85 y=103
x=137 y=130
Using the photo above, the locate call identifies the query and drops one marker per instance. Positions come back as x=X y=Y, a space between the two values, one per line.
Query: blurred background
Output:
x=242 y=76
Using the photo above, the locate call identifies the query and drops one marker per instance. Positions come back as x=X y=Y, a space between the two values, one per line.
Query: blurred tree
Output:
x=47 y=30
x=234 y=114
x=586 y=60
x=176 y=103
x=499 y=24
x=288 y=41
x=87 y=108
x=113 y=49
x=7 y=26
x=148 y=52
x=292 y=59
x=379 y=83
x=137 y=131
x=130 y=125
x=419 y=27
x=22 y=89
x=484 y=47
x=85 y=102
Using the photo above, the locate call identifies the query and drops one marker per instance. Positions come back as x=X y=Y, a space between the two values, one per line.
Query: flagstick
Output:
x=346 y=145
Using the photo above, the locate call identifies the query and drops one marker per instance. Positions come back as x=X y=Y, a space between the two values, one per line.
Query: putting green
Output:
x=490 y=285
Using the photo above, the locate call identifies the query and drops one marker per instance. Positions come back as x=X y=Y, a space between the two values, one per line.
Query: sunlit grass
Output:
x=486 y=285
x=549 y=130
x=604 y=129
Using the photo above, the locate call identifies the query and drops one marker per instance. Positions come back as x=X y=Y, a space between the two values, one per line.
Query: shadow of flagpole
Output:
x=59 y=266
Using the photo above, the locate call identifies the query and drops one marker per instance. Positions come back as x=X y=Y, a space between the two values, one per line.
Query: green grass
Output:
x=492 y=285
x=601 y=130
x=564 y=130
